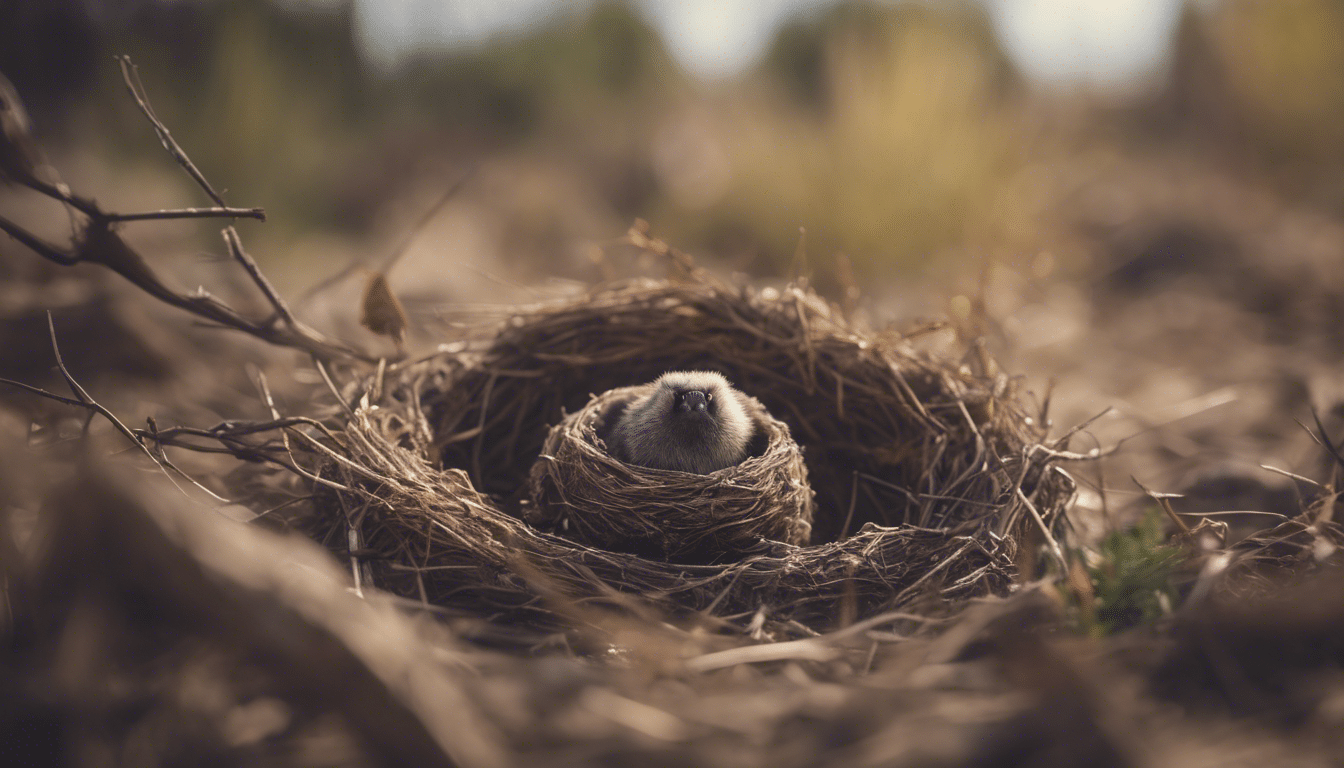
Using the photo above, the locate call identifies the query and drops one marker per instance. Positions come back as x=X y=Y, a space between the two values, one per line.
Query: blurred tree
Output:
x=571 y=71
x=1263 y=82
x=798 y=58
x=884 y=130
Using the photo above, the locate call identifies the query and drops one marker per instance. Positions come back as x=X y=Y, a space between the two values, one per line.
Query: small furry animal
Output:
x=690 y=421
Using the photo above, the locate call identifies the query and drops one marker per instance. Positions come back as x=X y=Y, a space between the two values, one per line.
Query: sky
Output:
x=1105 y=43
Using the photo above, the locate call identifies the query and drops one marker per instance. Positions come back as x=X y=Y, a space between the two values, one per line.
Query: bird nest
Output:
x=586 y=495
x=928 y=475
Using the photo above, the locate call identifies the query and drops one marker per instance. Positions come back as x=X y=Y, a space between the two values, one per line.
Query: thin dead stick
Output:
x=281 y=506
x=1164 y=501
x=190 y=213
x=1092 y=455
x=164 y=461
x=1064 y=438
x=392 y=258
x=331 y=385
x=100 y=245
x=90 y=208
x=42 y=392
x=853 y=500
x=84 y=400
x=36 y=244
x=130 y=74
x=424 y=221
x=235 y=247
x=1325 y=439
x=83 y=396
x=1055 y=549
x=820 y=648
x=1290 y=475
x=104 y=247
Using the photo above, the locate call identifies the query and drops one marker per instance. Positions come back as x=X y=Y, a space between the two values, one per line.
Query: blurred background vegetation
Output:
x=1015 y=164
x=902 y=135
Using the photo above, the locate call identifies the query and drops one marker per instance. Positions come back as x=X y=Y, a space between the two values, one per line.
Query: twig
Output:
x=853 y=500
x=90 y=208
x=43 y=393
x=36 y=244
x=130 y=74
x=331 y=385
x=100 y=245
x=1290 y=475
x=820 y=648
x=1063 y=439
x=83 y=400
x=249 y=266
x=1164 y=501
x=163 y=460
x=189 y=213
x=83 y=396
x=424 y=221
x=391 y=259
x=1325 y=439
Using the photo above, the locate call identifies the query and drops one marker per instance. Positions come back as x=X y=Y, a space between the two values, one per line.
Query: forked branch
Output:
x=99 y=243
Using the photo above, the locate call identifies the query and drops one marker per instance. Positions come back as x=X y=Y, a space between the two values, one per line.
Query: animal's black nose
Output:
x=694 y=400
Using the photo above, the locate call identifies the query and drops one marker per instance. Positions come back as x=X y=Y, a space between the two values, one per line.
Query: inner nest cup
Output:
x=581 y=492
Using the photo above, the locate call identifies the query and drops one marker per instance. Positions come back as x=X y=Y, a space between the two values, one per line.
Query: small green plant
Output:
x=1130 y=579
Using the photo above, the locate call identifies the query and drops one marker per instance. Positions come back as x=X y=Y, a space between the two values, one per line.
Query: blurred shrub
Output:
x=1262 y=81
x=888 y=131
x=580 y=70
x=268 y=100
x=1285 y=64
x=883 y=130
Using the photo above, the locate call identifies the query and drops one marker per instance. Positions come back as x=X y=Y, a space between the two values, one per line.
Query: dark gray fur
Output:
x=653 y=432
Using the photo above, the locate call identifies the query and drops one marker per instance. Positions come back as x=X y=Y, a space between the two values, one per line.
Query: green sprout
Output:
x=1131 y=578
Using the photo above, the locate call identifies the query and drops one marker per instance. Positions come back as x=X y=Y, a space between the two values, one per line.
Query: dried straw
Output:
x=927 y=474
x=592 y=498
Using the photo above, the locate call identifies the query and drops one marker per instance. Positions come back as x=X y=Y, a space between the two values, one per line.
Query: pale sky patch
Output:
x=1099 y=42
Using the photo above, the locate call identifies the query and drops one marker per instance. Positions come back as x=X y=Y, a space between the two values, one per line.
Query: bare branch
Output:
x=161 y=456
x=191 y=213
x=100 y=245
x=59 y=192
x=235 y=247
x=83 y=400
x=36 y=244
x=40 y=392
x=130 y=74
x=83 y=396
x=1325 y=440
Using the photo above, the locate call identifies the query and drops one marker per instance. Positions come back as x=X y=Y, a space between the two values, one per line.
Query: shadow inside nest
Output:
x=926 y=475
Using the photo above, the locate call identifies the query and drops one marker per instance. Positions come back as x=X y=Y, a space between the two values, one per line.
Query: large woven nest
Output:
x=580 y=490
x=928 y=476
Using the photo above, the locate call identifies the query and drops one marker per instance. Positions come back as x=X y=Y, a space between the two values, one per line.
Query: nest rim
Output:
x=578 y=489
